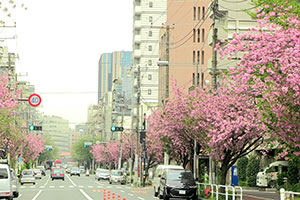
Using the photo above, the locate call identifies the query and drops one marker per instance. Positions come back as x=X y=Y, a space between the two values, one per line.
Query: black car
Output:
x=177 y=184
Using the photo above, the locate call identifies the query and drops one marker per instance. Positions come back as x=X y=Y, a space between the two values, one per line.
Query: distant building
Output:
x=58 y=130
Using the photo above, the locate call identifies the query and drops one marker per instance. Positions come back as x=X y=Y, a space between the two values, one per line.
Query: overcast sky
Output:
x=60 y=43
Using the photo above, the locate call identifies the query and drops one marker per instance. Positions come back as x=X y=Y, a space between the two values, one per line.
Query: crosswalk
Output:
x=72 y=186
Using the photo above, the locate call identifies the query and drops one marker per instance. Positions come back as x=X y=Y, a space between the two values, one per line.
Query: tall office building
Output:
x=149 y=16
x=58 y=130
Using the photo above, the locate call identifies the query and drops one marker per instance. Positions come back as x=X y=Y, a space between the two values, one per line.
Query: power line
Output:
x=203 y=19
x=238 y=10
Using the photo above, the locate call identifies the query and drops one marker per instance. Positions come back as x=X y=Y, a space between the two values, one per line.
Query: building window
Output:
x=149 y=77
x=149 y=92
x=202 y=57
x=150 y=34
x=203 y=35
x=199 y=8
x=149 y=62
x=194 y=35
x=150 y=4
x=194 y=13
x=150 y=19
x=198 y=37
x=198 y=57
x=150 y=48
x=203 y=12
x=194 y=56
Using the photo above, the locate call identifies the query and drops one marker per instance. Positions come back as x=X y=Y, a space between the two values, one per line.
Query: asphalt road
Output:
x=81 y=188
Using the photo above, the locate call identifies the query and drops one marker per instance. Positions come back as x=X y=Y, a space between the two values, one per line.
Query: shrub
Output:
x=293 y=171
x=252 y=170
x=241 y=168
x=280 y=178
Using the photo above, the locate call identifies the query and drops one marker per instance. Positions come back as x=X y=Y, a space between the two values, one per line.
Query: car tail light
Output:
x=5 y=193
x=61 y=174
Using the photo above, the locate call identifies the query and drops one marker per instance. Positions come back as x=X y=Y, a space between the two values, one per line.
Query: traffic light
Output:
x=35 y=128
x=84 y=146
x=115 y=128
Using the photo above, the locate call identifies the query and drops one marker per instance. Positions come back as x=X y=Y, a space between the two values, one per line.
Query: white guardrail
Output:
x=235 y=192
x=287 y=195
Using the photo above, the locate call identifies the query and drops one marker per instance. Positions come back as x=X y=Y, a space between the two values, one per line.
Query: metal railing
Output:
x=232 y=192
x=288 y=195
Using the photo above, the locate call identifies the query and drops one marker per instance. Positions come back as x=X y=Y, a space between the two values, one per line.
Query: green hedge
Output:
x=241 y=168
x=252 y=170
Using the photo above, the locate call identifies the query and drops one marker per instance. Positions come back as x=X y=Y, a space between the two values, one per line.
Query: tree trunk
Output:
x=223 y=178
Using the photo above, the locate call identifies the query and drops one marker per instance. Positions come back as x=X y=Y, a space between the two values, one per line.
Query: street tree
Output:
x=270 y=70
x=33 y=146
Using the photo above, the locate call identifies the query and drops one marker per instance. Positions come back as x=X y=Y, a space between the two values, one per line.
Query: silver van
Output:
x=6 y=191
x=158 y=172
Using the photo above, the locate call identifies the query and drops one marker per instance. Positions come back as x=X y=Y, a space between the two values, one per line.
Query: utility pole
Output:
x=214 y=43
x=212 y=169
x=137 y=158
x=168 y=59
x=122 y=122
x=196 y=84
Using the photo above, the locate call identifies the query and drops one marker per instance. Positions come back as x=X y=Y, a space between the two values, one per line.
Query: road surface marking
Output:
x=42 y=186
x=36 y=196
x=141 y=198
x=130 y=194
x=71 y=186
x=99 y=186
x=84 y=194
x=22 y=187
x=32 y=186
x=52 y=186
x=47 y=181
x=62 y=186
x=20 y=195
x=80 y=186
x=71 y=181
x=90 y=186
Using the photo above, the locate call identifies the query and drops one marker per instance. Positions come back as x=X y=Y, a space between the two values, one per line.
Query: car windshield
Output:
x=3 y=174
x=27 y=173
x=37 y=171
x=117 y=173
x=179 y=175
x=57 y=171
x=75 y=170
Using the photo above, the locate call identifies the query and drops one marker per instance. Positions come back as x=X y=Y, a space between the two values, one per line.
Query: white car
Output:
x=102 y=174
x=37 y=173
x=28 y=176
x=15 y=183
x=6 y=190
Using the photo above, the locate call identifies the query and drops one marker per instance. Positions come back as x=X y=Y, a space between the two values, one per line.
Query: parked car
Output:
x=157 y=175
x=75 y=172
x=102 y=174
x=15 y=183
x=37 y=173
x=28 y=176
x=43 y=170
x=6 y=190
x=177 y=184
x=57 y=174
x=117 y=176
x=82 y=169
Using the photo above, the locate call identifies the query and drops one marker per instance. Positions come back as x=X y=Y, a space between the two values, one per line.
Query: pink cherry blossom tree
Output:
x=270 y=68
x=32 y=147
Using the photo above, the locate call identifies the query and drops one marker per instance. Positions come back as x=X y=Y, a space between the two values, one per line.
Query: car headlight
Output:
x=194 y=186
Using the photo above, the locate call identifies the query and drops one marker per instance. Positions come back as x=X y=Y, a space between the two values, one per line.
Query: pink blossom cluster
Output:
x=33 y=145
x=270 y=68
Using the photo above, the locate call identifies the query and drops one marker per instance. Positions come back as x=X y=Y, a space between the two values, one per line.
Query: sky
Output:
x=59 y=45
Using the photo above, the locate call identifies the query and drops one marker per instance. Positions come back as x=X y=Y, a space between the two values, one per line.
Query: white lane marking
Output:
x=61 y=186
x=71 y=181
x=20 y=195
x=71 y=186
x=130 y=194
x=141 y=198
x=84 y=194
x=22 y=187
x=32 y=186
x=90 y=186
x=122 y=191
x=47 y=181
x=80 y=186
x=51 y=186
x=99 y=186
x=36 y=196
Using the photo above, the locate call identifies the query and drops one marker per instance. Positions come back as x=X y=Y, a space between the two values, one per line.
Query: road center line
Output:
x=84 y=194
x=141 y=198
x=36 y=196
x=130 y=194
x=46 y=182
x=71 y=181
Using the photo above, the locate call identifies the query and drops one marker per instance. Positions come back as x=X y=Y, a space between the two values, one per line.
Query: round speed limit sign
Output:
x=34 y=100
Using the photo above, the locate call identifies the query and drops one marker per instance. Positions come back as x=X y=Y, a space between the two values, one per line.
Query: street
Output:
x=80 y=188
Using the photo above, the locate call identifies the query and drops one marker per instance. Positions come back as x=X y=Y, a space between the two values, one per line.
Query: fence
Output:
x=287 y=195
x=231 y=192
